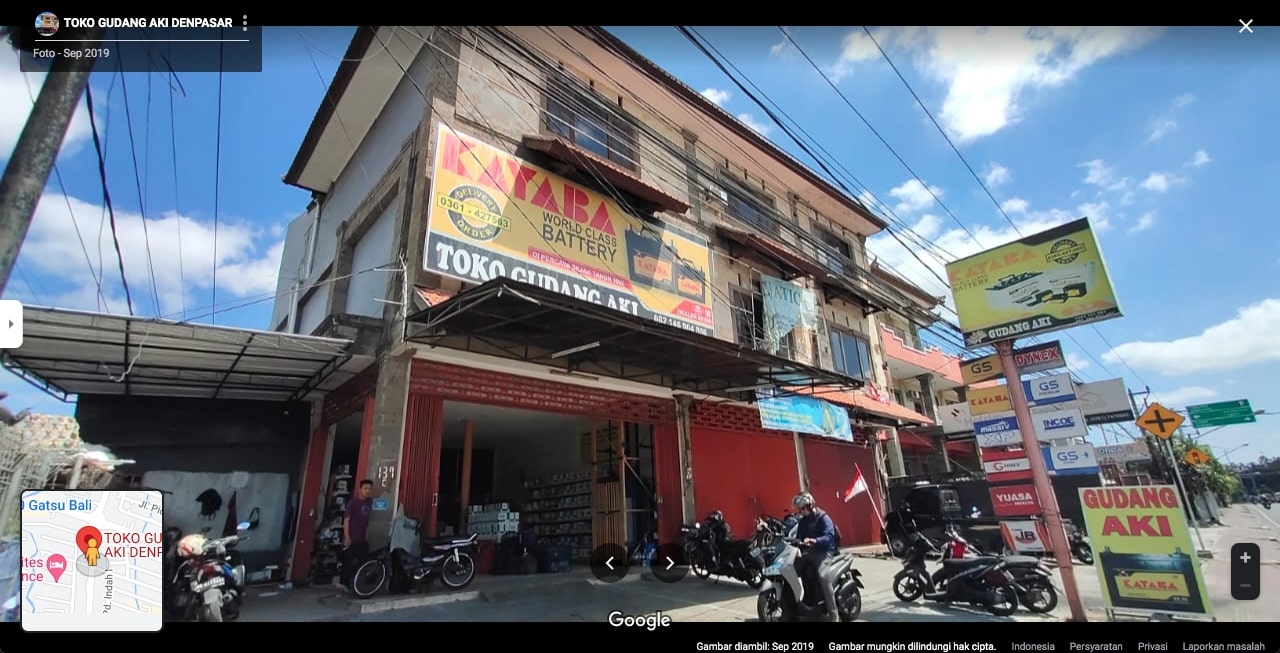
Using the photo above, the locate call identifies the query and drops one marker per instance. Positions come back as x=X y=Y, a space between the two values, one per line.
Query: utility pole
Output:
x=33 y=157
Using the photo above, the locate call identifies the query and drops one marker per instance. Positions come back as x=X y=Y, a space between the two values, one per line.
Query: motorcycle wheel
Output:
x=849 y=600
x=457 y=574
x=1002 y=601
x=756 y=579
x=1041 y=597
x=698 y=567
x=210 y=613
x=769 y=607
x=368 y=578
x=908 y=588
x=1084 y=553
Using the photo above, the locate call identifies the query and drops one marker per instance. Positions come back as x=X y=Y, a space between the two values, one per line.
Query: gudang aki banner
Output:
x=1045 y=282
x=1146 y=561
x=493 y=215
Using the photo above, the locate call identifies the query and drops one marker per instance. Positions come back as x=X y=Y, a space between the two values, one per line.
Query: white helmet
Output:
x=191 y=545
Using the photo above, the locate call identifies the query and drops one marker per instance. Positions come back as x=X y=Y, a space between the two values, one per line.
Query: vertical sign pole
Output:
x=1204 y=552
x=1044 y=487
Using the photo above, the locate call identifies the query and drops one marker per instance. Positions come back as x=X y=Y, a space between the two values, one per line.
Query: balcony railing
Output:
x=909 y=349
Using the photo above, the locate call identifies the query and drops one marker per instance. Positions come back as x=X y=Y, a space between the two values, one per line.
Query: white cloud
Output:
x=1158 y=182
x=913 y=196
x=717 y=96
x=1098 y=173
x=1145 y=221
x=1015 y=205
x=1183 y=100
x=1161 y=127
x=1252 y=337
x=755 y=125
x=1199 y=159
x=17 y=106
x=784 y=47
x=1076 y=362
x=996 y=174
x=1182 y=397
x=246 y=265
x=990 y=71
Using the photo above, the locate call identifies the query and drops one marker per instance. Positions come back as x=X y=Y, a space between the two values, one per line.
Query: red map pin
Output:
x=82 y=537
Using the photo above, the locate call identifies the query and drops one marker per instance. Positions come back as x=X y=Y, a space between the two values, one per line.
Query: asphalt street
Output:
x=692 y=599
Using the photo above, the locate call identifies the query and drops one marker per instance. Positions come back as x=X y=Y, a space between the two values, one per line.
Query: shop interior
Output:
x=559 y=485
x=344 y=454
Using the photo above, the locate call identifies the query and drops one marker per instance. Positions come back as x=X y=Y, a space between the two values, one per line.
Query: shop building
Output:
x=566 y=265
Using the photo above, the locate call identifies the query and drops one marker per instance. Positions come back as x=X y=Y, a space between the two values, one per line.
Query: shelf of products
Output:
x=326 y=560
x=491 y=521
x=559 y=511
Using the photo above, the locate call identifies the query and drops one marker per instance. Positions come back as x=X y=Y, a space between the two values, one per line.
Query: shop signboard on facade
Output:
x=955 y=418
x=1105 y=402
x=997 y=430
x=1005 y=466
x=493 y=215
x=1025 y=535
x=1071 y=460
x=1015 y=501
x=1053 y=389
x=1120 y=454
x=803 y=414
x=984 y=401
x=1036 y=358
x=1044 y=282
x=1147 y=561
x=787 y=306
x=1059 y=421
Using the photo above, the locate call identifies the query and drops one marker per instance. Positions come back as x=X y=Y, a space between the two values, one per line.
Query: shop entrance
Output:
x=341 y=480
x=556 y=486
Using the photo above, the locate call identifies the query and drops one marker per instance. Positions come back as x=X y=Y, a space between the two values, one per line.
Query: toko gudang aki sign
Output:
x=493 y=215
x=1039 y=358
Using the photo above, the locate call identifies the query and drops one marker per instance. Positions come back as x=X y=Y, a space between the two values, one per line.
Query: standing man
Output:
x=355 y=530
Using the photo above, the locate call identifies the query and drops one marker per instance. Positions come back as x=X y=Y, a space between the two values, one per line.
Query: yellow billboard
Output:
x=494 y=215
x=1045 y=282
x=984 y=401
x=1145 y=559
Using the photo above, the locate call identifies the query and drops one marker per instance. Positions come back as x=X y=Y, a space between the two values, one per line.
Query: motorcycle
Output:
x=1036 y=591
x=1081 y=547
x=784 y=596
x=446 y=558
x=205 y=578
x=985 y=581
x=712 y=551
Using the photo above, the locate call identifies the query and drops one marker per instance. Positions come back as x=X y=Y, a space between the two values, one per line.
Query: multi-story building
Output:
x=922 y=377
x=558 y=257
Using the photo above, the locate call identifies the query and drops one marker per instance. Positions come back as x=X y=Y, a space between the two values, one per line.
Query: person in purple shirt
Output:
x=355 y=527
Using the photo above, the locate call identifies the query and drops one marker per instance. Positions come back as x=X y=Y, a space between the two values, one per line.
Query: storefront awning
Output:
x=514 y=320
x=572 y=155
x=66 y=352
x=861 y=402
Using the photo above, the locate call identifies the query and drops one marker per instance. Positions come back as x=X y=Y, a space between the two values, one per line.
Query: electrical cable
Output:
x=217 y=171
x=106 y=197
x=177 y=190
x=137 y=184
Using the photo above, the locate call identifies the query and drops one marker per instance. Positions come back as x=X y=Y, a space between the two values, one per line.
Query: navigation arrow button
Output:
x=609 y=563
x=670 y=563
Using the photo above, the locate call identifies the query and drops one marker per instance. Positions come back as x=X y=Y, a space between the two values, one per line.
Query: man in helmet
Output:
x=818 y=533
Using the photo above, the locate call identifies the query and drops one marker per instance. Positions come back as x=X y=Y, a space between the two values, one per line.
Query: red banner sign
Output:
x=1015 y=501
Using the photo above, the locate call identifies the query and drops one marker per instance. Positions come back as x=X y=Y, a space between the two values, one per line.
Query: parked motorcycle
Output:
x=712 y=551
x=1036 y=591
x=204 y=577
x=985 y=581
x=1081 y=547
x=784 y=596
x=446 y=558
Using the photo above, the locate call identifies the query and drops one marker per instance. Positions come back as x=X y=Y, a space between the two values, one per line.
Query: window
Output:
x=748 y=324
x=839 y=253
x=851 y=355
x=752 y=208
x=582 y=118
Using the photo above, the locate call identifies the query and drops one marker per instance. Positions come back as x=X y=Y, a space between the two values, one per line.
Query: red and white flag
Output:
x=858 y=486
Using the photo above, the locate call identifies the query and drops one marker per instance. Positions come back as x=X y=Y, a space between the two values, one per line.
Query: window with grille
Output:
x=839 y=254
x=585 y=118
x=751 y=208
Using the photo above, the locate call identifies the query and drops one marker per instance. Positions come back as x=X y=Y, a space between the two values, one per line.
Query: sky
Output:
x=1163 y=138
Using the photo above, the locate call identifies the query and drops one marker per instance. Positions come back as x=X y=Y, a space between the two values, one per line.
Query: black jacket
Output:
x=818 y=525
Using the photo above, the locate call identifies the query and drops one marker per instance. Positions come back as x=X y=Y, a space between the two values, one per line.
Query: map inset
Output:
x=92 y=560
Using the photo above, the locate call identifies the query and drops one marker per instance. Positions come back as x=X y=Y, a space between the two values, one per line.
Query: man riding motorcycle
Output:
x=819 y=534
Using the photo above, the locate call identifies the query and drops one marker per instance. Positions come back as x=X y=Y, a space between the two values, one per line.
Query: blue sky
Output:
x=1163 y=138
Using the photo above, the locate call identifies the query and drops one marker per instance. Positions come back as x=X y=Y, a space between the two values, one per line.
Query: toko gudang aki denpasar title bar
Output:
x=150 y=43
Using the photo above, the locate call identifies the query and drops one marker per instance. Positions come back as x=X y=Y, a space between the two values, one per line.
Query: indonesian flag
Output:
x=858 y=486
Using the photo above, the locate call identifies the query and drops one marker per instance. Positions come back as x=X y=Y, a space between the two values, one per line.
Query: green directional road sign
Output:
x=1223 y=413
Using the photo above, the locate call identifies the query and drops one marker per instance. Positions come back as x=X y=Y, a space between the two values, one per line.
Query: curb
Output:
x=373 y=606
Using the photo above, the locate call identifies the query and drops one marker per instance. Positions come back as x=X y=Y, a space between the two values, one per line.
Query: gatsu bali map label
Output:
x=92 y=560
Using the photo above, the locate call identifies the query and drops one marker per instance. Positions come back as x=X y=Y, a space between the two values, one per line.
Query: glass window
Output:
x=851 y=355
x=585 y=121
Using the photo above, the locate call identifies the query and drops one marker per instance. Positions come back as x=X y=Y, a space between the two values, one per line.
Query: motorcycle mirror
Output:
x=243 y=526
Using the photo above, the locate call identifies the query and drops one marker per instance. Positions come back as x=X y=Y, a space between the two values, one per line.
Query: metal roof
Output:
x=66 y=352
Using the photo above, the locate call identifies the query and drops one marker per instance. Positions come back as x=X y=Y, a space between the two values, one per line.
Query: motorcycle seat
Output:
x=965 y=563
x=1021 y=561
x=448 y=540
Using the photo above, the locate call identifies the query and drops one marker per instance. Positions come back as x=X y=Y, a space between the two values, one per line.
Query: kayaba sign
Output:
x=493 y=215
x=1040 y=358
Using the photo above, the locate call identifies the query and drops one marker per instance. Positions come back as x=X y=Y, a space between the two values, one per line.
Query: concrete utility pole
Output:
x=33 y=157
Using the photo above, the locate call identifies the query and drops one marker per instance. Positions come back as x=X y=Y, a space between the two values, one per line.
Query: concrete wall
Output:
x=374 y=249
x=314 y=309
x=297 y=240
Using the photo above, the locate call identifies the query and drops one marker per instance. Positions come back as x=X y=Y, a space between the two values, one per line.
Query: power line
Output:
x=177 y=190
x=137 y=183
x=106 y=196
x=217 y=170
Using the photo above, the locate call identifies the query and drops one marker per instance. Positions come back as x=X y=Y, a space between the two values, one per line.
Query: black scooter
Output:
x=712 y=551
x=983 y=581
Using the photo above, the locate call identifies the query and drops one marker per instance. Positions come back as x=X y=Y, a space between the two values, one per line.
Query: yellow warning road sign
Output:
x=1160 y=421
x=1196 y=457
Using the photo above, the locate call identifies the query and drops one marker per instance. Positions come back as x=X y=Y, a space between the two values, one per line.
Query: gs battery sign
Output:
x=1040 y=358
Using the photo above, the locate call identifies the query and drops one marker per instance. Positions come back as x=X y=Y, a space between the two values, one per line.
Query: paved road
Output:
x=696 y=600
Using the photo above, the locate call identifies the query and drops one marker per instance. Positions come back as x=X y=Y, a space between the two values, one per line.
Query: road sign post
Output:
x=1223 y=413
x=1163 y=423
x=1040 y=475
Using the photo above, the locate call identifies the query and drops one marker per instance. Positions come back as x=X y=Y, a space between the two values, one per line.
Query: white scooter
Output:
x=783 y=595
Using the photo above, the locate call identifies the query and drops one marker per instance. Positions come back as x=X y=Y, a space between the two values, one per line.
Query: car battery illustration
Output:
x=1152 y=581
x=1028 y=289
